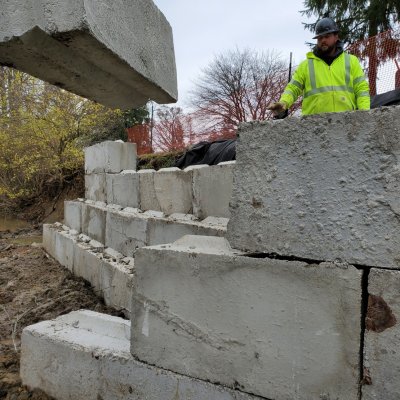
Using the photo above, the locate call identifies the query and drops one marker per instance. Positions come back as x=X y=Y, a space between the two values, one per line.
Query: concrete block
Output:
x=49 y=238
x=148 y=198
x=216 y=221
x=94 y=221
x=322 y=187
x=212 y=190
x=167 y=230
x=173 y=190
x=123 y=189
x=110 y=157
x=60 y=245
x=119 y=54
x=126 y=232
x=73 y=215
x=275 y=328
x=96 y=187
x=111 y=276
x=117 y=284
x=382 y=337
x=85 y=355
x=88 y=265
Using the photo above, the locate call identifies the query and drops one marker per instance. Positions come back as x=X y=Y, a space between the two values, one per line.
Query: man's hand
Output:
x=278 y=107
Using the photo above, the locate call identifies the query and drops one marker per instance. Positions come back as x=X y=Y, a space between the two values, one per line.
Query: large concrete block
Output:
x=85 y=355
x=129 y=229
x=60 y=245
x=212 y=189
x=96 y=187
x=118 y=281
x=126 y=231
x=88 y=265
x=94 y=220
x=119 y=54
x=110 y=157
x=173 y=190
x=382 y=337
x=123 y=189
x=166 y=230
x=148 y=198
x=322 y=187
x=73 y=215
x=278 y=329
x=110 y=274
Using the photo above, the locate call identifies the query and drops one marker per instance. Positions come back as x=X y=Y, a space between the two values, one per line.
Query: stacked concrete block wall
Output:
x=201 y=190
x=119 y=54
x=127 y=229
x=103 y=164
x=303 y=303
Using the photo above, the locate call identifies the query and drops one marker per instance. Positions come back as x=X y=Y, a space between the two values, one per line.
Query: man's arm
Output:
x=361 y=86
x=293 y=89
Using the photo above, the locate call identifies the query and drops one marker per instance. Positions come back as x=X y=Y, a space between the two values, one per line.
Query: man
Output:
x=330 y=79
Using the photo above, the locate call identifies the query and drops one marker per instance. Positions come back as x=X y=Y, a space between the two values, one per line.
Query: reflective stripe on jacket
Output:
x=341 y=86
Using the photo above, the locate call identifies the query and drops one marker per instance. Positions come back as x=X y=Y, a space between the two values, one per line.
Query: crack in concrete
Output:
x=183 y=327
x=276 y=256
x=363 y=372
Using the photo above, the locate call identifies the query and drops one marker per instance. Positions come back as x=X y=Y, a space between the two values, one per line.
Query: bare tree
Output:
x=238 y=86
x=172 y=129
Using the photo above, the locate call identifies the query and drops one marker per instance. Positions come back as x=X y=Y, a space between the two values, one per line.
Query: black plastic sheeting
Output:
x=386 y=99
x=210 y=153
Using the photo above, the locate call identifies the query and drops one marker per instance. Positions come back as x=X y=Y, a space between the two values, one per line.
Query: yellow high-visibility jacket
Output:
x=338 y=87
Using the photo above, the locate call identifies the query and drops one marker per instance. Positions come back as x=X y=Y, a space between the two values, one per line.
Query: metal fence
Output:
x=380 y=57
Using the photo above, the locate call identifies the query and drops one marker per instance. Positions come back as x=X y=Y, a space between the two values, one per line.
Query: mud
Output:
x=33 y=288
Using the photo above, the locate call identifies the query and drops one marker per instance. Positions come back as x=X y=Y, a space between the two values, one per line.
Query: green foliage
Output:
x=42 y=132
x=136 y=116
x=159 y=160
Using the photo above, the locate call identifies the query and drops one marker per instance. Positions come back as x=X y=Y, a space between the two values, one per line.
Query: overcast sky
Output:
x=203 y=29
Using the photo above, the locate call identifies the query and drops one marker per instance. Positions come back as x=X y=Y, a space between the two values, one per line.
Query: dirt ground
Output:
x=33 y=287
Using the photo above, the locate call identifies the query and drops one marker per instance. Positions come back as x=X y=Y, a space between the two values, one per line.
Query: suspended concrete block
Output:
x=118 y=53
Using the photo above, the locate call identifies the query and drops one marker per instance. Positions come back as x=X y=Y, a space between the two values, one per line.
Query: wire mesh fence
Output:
x=380 y=58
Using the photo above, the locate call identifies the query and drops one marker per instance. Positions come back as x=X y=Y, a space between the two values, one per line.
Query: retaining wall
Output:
x=199 y=190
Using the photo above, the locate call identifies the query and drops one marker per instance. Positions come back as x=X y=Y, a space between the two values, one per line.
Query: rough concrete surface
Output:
x=129 y=229
x=85 y=355
x=109 y=273
x=96 y=187
x=322 y=187
x=123 y=189
x=382 y=337
x=116 y=53
x=148 y=199
x=94 y=220
x=73 y=215
x=173 y=190
x=212 y=189
x=110 y=157
x=278 y=329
